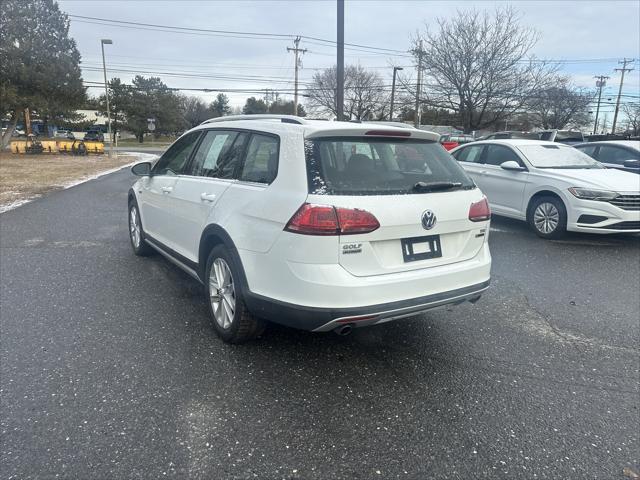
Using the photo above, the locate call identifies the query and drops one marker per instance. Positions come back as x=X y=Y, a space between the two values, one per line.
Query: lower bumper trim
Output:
x=324 y=319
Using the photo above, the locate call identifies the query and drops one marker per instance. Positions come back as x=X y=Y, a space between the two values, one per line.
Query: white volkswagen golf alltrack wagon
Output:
x=313 y=224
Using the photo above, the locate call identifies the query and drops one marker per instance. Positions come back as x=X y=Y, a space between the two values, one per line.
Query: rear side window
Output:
x=378 y=166
x=175 y=158
x=469 y=154
x=261 y=160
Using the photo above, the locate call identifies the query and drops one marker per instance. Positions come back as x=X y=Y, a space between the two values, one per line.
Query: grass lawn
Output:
x=27 y=176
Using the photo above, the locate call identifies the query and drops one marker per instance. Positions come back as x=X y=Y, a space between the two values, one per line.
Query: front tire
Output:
x=136 y=233
x=229 y=315
x=548 y=217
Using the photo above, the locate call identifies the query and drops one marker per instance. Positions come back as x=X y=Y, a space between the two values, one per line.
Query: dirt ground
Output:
x=27 y=176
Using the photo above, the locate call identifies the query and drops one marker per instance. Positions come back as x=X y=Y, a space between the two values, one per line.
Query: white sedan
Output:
x=554 y=187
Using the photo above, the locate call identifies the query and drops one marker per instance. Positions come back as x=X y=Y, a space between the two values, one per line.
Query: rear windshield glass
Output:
x=381 y=166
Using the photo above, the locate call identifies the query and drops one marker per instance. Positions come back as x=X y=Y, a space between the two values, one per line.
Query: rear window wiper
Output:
x=435 y=186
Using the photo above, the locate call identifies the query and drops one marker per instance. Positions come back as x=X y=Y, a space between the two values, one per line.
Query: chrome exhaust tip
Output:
x=344 y=330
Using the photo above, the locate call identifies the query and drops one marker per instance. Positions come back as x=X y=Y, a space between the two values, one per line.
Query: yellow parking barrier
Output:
x=65 y=146
x=94 y=147
x=49 y=146
x=18 y=146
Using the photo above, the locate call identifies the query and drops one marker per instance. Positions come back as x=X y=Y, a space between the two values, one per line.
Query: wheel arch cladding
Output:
x=212 y=236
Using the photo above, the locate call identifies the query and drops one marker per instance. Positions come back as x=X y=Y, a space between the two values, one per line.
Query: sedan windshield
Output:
x=557 y=156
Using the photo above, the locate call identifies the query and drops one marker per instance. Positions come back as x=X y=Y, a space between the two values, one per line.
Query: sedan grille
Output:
x=627 y=202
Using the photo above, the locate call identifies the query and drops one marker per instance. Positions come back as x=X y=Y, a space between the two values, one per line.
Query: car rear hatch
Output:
x=401 y=202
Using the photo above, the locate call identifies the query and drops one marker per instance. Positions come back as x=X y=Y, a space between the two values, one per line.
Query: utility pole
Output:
x=600 y=83
x=623 y=69
x=416 y=121
x=340 y=63
x=393 y=91
x=103 y=42
x=296 y=50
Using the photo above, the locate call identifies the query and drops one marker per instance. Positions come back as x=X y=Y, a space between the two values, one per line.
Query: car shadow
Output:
x=510 y=225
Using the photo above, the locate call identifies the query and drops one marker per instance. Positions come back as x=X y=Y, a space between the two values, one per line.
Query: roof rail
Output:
x=235 y=118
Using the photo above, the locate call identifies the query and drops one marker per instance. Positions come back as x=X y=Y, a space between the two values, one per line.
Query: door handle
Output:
x=483 y=172
x=207 y=197
x=167 y=189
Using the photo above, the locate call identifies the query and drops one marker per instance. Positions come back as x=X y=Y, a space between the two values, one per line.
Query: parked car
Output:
x=316 y=225
x=620 y=154
x=94 y=136
x=449 y=142
x=569 y=137
x=64 y=134
x=554 y=187
x=510 y=134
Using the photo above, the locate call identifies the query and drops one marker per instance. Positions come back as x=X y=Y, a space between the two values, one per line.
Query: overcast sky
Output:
x=590 y=36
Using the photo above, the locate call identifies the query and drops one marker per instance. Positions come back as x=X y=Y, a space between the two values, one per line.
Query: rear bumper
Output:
x=326 y=319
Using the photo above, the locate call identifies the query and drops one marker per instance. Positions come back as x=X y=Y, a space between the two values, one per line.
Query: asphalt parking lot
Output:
x=109 y=368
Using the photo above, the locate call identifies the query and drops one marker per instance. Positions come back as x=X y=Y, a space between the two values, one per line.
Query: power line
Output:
x=229 y=33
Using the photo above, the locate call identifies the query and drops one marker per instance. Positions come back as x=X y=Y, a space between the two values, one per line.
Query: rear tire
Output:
x=548 y=217
x=136 y=233
x=229 y=315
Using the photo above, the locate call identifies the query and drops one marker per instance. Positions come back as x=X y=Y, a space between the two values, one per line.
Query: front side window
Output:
x=261 y=161
x=498 y=154
x=380 y=166
x=175 y=158
x=214 y=151
x=616 y=155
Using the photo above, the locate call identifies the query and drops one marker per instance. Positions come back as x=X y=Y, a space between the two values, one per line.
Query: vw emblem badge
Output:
x=428 y=219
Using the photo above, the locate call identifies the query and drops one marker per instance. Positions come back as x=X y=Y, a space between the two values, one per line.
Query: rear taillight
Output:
x=480 y=211
x=327 y=220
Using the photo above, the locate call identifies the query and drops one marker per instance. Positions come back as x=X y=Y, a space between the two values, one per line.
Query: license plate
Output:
x=421 y=248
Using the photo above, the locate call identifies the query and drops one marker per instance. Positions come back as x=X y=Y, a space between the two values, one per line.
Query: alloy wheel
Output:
x=222 y=294
x=134 y=227
x=546 y=218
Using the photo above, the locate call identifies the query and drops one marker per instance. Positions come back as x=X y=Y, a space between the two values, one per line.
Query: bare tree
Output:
x=560 y=105
x=195 y=111
x=477 y=65
x=365 y=95
x=632 y=112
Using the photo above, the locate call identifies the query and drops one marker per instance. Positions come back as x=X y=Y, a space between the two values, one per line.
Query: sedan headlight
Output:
x=588 y=194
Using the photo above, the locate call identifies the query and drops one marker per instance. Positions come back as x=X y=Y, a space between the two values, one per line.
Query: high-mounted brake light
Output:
x=313 y=219
x=480 y=211
x=388 y=133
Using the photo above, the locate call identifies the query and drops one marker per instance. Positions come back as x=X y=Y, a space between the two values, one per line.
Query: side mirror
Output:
x=635 y=164
x=142 y=169
x=511 y=165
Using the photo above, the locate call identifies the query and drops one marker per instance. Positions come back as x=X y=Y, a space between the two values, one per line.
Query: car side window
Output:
x=261 y=161
x=213 y=151
x=498 y=154
x=616 y=155
x=589 y=150
x=175 y=158
x=470 y=154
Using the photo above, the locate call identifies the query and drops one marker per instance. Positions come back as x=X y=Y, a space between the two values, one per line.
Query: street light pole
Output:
x=393 y=92
x=340 y=63
x=103 y=42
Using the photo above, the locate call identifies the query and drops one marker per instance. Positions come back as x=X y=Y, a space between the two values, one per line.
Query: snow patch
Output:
x=141 y=157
